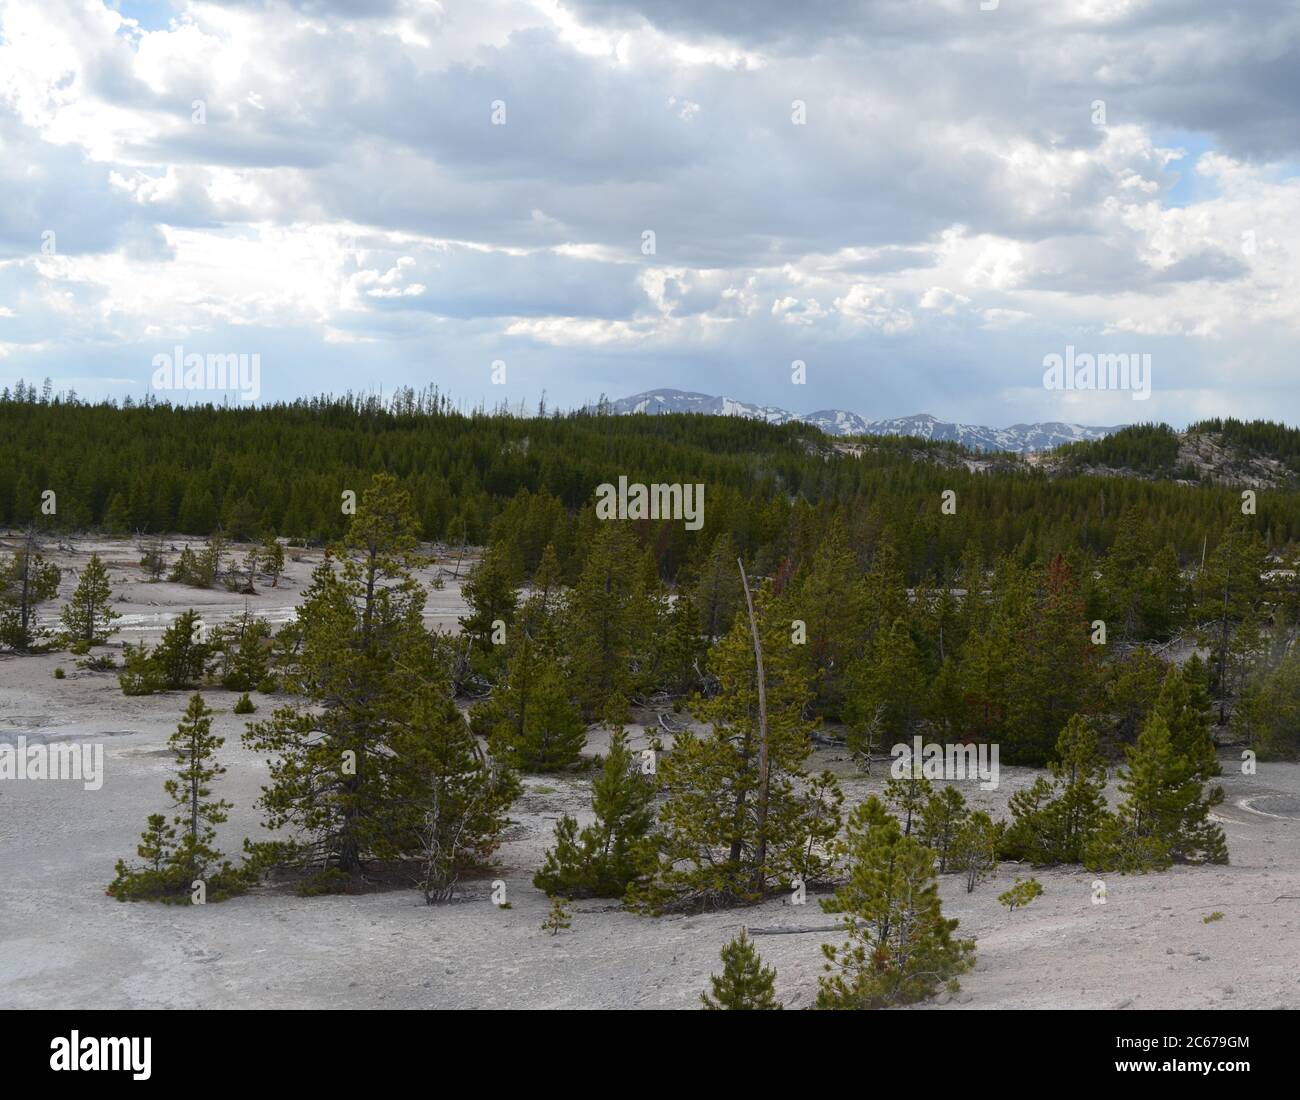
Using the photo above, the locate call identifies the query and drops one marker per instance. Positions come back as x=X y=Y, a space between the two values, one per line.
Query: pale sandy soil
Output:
x=63 y=943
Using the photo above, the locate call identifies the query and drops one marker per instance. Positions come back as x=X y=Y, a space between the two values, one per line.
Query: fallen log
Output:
x=782 y=930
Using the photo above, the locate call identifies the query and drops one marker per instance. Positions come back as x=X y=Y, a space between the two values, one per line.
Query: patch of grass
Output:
x=1216 y=915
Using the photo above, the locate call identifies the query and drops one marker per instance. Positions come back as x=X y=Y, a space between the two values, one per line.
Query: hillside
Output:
x=478 y=478
x=1255 y=455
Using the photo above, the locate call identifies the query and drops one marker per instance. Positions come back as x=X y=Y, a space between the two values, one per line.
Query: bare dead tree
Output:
x=763 y=770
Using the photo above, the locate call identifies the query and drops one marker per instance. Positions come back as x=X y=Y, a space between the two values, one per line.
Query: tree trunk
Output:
x=760 y=875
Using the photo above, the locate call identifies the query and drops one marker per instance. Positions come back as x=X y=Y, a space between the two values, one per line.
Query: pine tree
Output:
x=26 y=581
x=1163 y=814
x=558 y=918
x=899 y=946
x=615 y=851
x=1133 y=682
x=1229 y=594
x=1056 y=822
x=271 y=559
x=1021 y=893
x=1054 y=675
x=140 y=674
x=974 y=849
x=241 y=579
x=607 y=620
x=187 y=569
x=151 y=557
x=181 y=656
x=907 y=790
x=985 y=668
x=338 y=780
x=889 y=688
x=716 y=594
x=195 y=745
x=490 y=592
x=530 y=720
x=723 y=843
x=745 y=985
x=1268 y=713
x=87 y=618
x=158 y=876
x=245 y=654
x=829 y=599
x=942 y=817
x=173 y=867
x=945 y=705
x=211 y=560
x=1184 y=703
x=465 y=797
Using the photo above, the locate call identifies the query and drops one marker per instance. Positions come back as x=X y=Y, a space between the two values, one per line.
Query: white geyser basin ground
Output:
x=65 y=944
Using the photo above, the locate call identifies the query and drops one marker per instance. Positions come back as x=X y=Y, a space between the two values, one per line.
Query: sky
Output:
x=921 y=201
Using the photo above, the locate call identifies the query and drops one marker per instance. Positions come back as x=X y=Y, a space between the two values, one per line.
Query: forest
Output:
x=829 y=597
x=482 y=477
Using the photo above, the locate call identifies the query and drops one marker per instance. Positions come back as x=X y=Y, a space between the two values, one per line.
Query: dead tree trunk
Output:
x=760 y=870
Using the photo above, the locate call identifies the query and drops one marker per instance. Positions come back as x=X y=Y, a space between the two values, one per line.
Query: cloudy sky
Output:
x=919 y=199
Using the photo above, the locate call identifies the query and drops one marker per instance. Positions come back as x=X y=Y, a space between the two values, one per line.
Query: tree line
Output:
x=149 y=467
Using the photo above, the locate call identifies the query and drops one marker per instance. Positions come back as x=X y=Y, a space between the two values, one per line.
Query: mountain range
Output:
x=1017 y=439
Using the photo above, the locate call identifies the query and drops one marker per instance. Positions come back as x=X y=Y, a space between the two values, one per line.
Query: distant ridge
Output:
x=1017 y=439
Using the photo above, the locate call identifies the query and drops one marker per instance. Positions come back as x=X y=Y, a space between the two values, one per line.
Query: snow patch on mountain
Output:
x=1017 y=439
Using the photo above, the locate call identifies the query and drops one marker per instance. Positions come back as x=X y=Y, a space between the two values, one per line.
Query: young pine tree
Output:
x=1229 y=594
x=157 y=877
x=465 y=796
x=1055 y=670
x=531 y=723
x=87 y=619
x=181 y=656
x=942 y=817
x=974 y=853
x=187 y=569
x=1056 y=822
x=829 y=599
x=716 y=594
x=745 y=985
x=899 y=946
x=26 y=581
x=1163 y=815
x=271 y=559
x=195 y=746
x=908 y=792
x=246 y=654
x=615 y=851
x=173 y=867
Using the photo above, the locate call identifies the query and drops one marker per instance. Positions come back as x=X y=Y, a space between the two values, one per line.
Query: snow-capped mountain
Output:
x=1019 y=438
